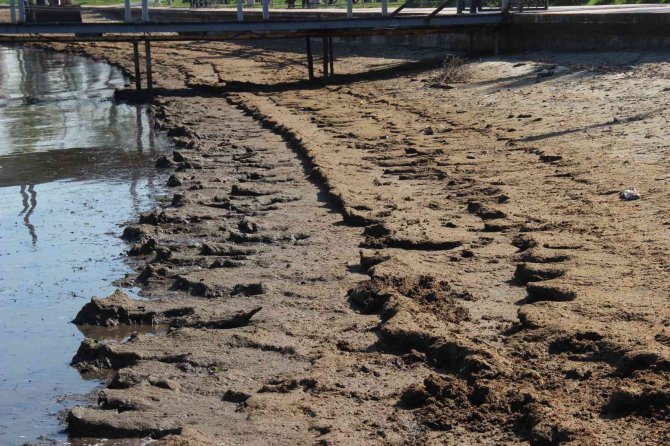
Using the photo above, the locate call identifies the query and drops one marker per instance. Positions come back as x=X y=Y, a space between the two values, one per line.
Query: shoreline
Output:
x=429 y=332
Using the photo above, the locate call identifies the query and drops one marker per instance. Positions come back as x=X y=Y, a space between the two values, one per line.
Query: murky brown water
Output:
x=74 y=166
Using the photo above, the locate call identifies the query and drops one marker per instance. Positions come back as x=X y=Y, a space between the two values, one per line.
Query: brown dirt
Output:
x=434 y=265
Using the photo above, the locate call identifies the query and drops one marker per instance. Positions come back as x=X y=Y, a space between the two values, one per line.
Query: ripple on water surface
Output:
x=74 y=166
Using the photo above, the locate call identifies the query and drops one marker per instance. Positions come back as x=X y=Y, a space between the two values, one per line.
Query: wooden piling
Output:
x=136 y=59
x=147 y=49
x=331 y=58
x=310 y=59
x=325 y=58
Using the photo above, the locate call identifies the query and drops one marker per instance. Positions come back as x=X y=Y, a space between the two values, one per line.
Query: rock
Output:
x=177 y=156
x=251 y=289
x=233 y=396
x=174 y=181
x=153 y=218
x=248 y=226
x=179 y=200
x=163 y=162
x=141 y=249
x=133 y=233
x=178 y=131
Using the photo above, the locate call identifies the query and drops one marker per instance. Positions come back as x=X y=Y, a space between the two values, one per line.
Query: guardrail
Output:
x=25 y=11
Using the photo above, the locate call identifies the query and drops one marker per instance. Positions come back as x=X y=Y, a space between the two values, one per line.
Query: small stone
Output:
x=163 y=162
x=178 y=157
x=248 y=226
x=179 y=200
x=174 y=181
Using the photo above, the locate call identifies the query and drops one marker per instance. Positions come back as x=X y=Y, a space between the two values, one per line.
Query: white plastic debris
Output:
x=630 y=194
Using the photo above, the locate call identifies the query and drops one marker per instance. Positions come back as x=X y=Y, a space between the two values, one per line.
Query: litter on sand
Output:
x=630 y=194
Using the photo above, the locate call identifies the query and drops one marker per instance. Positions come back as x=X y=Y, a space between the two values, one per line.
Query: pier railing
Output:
x=151 y=11
x=30 y=23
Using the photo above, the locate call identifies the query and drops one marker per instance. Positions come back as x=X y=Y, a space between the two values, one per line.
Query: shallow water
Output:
x=74 y=166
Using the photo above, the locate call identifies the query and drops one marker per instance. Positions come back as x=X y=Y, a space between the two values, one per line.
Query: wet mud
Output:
x=73 y=167
x=404 y=264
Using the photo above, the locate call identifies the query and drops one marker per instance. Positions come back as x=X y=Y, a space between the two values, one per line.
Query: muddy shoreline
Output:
x=452 y=252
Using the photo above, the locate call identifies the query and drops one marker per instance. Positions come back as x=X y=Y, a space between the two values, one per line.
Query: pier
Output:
x=518 y=26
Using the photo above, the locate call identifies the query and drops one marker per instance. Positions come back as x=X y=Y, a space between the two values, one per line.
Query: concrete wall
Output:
x=522 y=32
x=615 y=32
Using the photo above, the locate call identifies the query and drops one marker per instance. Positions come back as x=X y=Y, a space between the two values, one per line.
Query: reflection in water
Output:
x=28 y=210
x=55 y=103
x=91 y=161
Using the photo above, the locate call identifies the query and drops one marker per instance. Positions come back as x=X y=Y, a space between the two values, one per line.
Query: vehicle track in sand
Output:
x=511 y=297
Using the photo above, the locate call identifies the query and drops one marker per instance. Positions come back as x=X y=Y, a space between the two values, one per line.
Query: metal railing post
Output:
x=266 y=9
x=22 y=11
x=12 y=10
x=126 y=7
x=385 y=7
x=350 y=9
x=145 y=10
x=240 y=11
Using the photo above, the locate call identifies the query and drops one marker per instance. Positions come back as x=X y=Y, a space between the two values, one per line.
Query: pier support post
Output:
x=136 y=59
x=350 y=9
x=145 y=10
x=126 y=7
x=12 y=10
x=266 y=9
x=325 y=59
x=150 y=81
x=240 y=11
x=310 y=59
x=22 y=11
x=385 y=7
x=331 y=59
x=496 y=43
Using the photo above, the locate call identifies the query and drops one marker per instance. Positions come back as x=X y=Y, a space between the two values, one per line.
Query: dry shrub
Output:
x=454 y=70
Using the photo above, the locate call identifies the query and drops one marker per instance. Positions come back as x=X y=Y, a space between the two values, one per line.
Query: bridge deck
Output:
x=178 y=24
x=170 y=31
